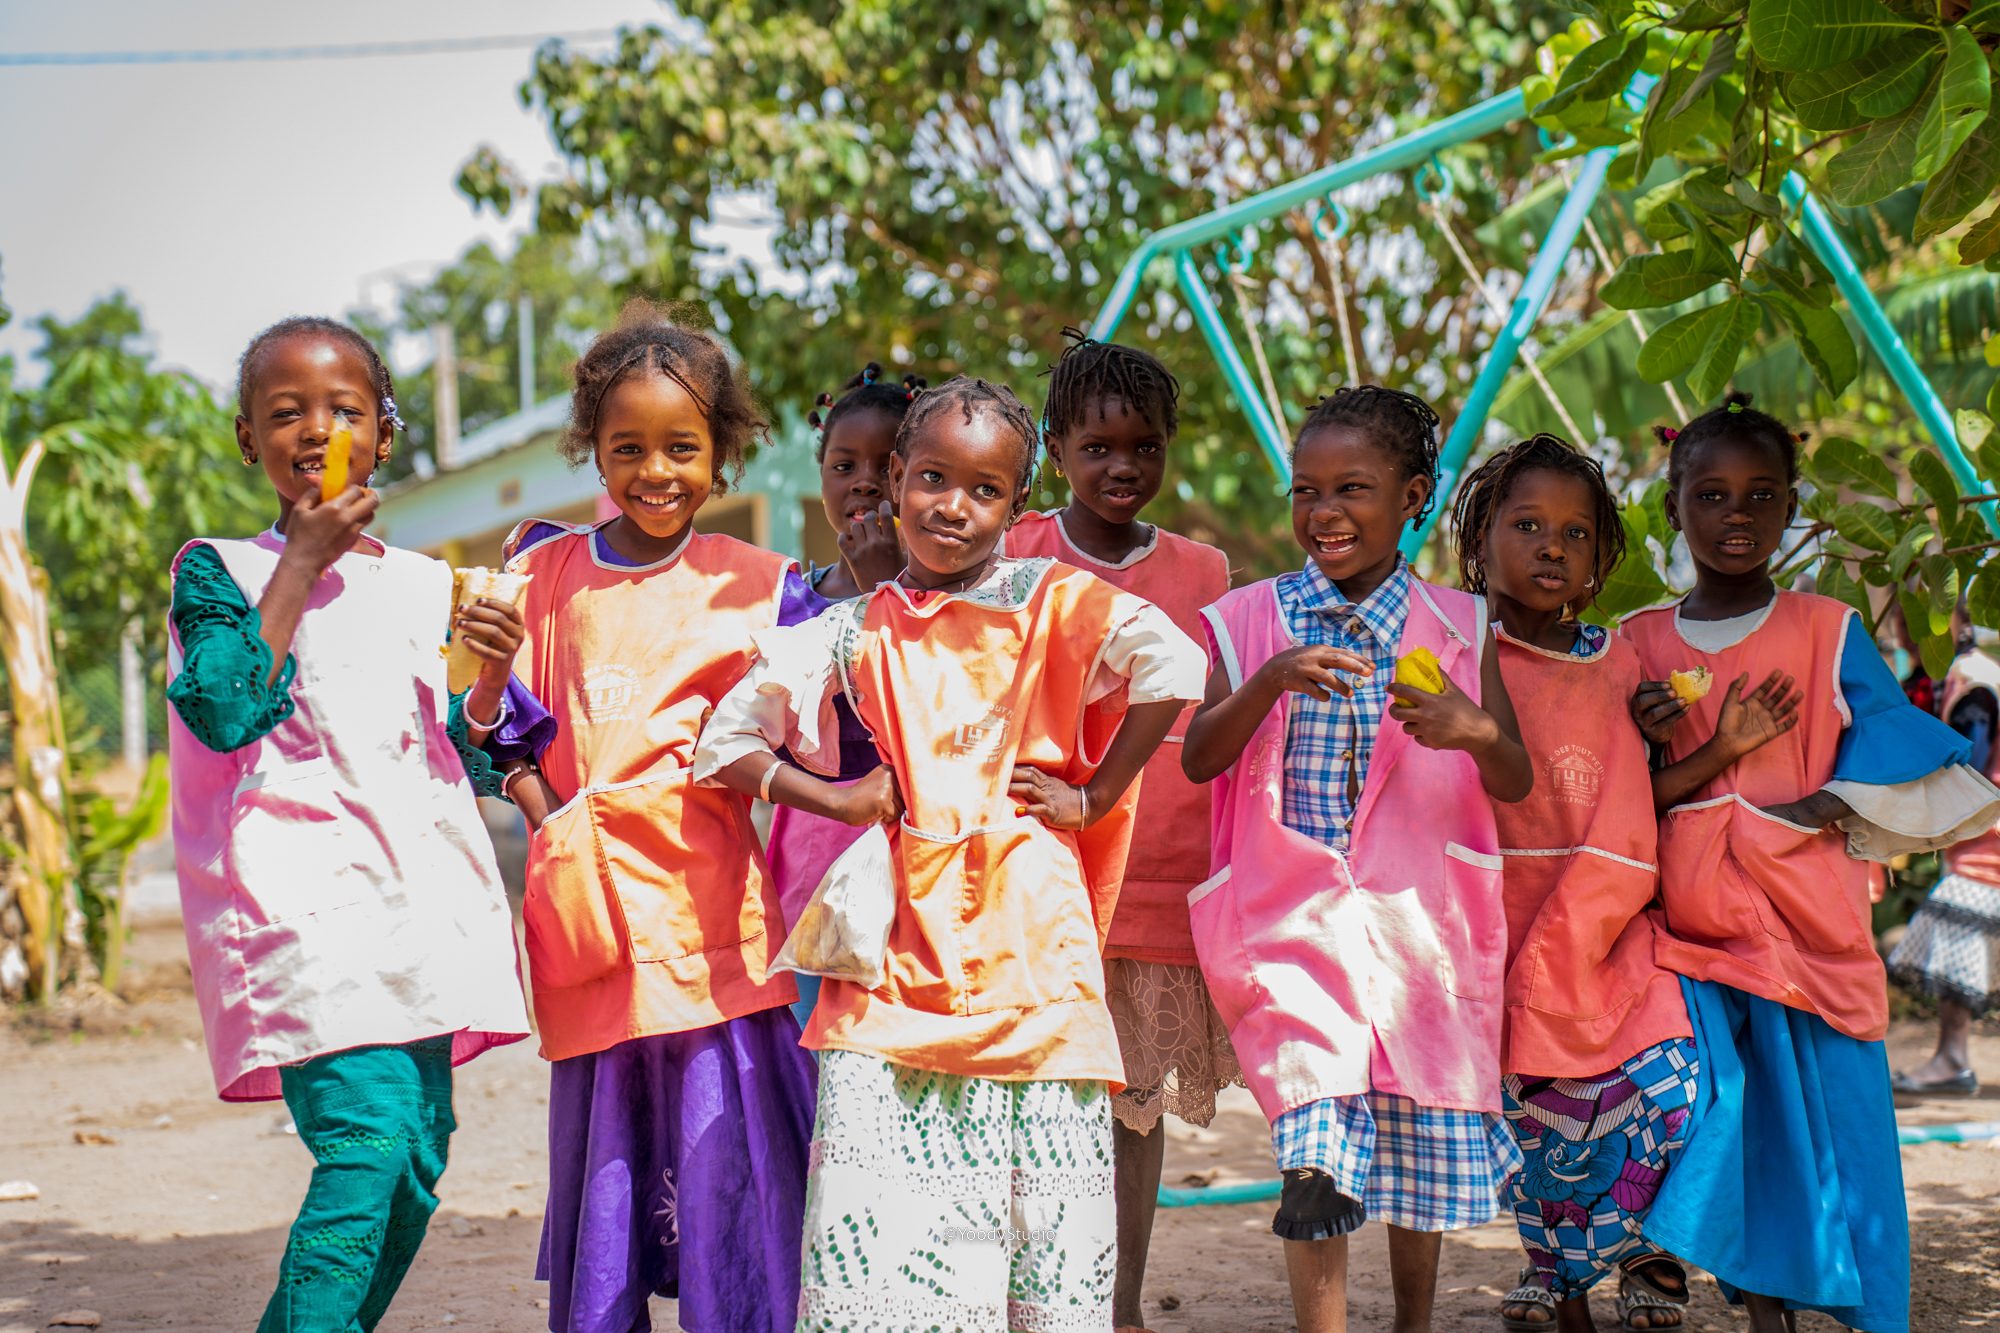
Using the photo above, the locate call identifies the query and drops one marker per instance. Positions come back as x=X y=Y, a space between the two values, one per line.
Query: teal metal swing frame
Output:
x=1226 y=226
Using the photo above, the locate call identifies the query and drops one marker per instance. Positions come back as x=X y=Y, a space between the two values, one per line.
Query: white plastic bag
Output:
x=843 y=930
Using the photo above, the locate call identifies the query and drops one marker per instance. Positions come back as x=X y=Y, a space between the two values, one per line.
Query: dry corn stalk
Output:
x=40 y=765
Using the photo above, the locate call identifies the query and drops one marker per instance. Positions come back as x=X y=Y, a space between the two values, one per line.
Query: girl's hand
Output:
x=1656 y=709
x=1758 y=718
x=1049 y=799
x=1448 y=721
x=872 y=800
x=319 y=532
x=1314 y=671
x=492 y=630
x=872 y=547
x=1821 y=810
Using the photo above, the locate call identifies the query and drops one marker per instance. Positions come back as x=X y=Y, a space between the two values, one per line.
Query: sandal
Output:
x=1530 y=1292
x=1638 y=1293
x=1964 y=1083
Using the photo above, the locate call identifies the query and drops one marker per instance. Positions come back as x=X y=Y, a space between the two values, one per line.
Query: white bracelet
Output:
x=770 y=776
x=499 y=707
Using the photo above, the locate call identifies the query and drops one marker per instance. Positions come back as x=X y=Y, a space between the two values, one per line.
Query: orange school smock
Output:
x=994 y=964
x=1578 y=857
x=1180 y=576
x=1752 y=901
x=647 y=896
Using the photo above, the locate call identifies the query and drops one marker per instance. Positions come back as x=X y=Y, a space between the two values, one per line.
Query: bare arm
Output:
x=872 y=800
x=1226 y=719
x=1490 y=734
x=1061 y=805
x=1746 y=722
x=317 y=533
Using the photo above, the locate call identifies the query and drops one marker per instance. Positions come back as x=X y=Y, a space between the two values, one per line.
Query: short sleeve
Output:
x=524 y=728
x=1152 y=658
x=220 y=692
x=785 y=701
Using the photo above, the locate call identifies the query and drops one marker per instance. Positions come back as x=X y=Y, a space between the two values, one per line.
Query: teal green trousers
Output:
x=378 y=1121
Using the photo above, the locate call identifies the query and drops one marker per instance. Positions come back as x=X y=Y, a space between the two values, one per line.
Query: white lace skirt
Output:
x=940 y=1201
x=1951 y=950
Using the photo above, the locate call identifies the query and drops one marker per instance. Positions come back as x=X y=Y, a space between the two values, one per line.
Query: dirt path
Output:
x=163 y=1208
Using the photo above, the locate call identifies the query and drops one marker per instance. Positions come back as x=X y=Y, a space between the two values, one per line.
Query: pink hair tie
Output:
x=1670 y=434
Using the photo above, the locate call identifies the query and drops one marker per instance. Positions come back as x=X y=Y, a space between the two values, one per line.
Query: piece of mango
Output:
x=1419 y=670
x=339 y=452
x=1690 y=685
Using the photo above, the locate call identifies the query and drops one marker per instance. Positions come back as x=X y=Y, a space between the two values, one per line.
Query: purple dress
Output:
x=677 y=1162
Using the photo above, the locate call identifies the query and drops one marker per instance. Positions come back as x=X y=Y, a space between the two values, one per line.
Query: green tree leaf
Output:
x=1983 y=596
x=1725 y=348
x=1981 y=241
x=1823 y=339
x=1963 y=184
x=1865 y=525
x=1879 y=163
x=1965 y=91
x=1721 y=60
x=1893 y=84
x=1673 y=348
x=1818 y=34
x=1908 y=547
x=1940 y=576
x=1838 y=463
x=1645 y=282
x=1636 y=583
x=1835 y=580
x=1606 y=56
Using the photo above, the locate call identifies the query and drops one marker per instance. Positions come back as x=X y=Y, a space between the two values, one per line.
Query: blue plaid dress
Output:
x=1425 y=1168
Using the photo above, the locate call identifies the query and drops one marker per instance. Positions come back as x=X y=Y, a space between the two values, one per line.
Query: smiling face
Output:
x=1350 y=500
x=854 y=468
x=1542 y=548
x=1115 y=461
x=957 y=486
x=297 y=388
x=1733 y=505
x=657 y=457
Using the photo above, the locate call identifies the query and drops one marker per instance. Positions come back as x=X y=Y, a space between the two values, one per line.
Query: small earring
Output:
x=249 y=461
x=601 y=481
x=1590 y=581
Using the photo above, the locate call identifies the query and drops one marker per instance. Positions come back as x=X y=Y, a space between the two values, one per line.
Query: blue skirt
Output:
x=1791 y=1184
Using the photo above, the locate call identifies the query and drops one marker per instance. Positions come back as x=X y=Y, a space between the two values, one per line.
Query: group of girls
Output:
x=1632 y=994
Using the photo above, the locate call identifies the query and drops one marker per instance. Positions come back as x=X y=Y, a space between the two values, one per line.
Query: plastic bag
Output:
x=843 y=930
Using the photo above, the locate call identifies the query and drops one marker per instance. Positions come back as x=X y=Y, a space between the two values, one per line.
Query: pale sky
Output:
x=222 y=197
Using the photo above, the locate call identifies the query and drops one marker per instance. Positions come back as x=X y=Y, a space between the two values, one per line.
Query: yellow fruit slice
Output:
x=1690 y=685
x=333 y=468
x=1419 y=670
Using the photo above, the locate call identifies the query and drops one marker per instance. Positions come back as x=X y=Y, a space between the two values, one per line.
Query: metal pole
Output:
x=1527 y=308
x=1472 y=123
x=1209 y=320
x=524 y=330
x=1886 y=342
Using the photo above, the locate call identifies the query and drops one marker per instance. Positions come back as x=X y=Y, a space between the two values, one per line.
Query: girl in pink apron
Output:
x=962 y=1156
x=1802 y=758
x=1597 y=1058
x=857 y=435
x=1352 y=931
x=1111 y=414
x=347 y=931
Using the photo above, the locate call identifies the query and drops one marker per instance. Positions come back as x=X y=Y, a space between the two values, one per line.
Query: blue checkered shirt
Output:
x=1327 y=745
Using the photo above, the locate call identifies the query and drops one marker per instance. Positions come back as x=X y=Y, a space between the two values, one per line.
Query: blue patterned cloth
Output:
x=1328 y=744
x=1424 y=1168
x=1596 y=1150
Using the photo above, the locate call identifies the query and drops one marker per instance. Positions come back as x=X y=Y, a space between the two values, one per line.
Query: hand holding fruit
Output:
x=872 y=547
x=1437 y=714
x=318 y=532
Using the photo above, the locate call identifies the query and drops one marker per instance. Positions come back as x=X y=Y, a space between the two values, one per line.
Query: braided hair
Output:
x=649 y=341
x=319 y=326
x=865 y=391
x=1089 y=373
x=1479 y=500
x=1734 y=419
x=1402 y=424
x=972 y=398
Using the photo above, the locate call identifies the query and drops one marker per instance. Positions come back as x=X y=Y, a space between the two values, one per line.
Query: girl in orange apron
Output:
x=962 y=1156
x=679 y=1100
x=1803 y=757
x=857 y=435
x=1111 y=414
x=1597 y=1059
x=1351 y=929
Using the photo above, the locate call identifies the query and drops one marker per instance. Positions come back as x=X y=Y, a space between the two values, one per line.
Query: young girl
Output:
x=1790 y=1189
x=679 y=1100
x=1111 y=413
x=346 y=926
x=1352 y=933
x=961 y=1160
x=857 y=435
x=1597 y=1057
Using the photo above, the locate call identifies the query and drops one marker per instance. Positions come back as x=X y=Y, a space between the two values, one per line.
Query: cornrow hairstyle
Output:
x=1400 y=423
x=973 y=397
x=1089 y=373
x=865 y=391
x=319 y=326
x=1480 y=498
x=650 y=341
x=1735 y=418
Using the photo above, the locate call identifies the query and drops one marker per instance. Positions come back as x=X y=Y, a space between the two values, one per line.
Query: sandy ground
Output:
x=161 y=1207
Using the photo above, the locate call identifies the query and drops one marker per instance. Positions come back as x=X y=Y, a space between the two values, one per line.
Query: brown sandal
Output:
x=1639 y=1293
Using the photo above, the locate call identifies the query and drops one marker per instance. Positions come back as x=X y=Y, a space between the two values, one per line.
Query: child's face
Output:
x=854 y=469
x=1350 y=500
x=1115 y=461
x=656 y=453
x=299 y=386
x=1733 y=505
x=1542 y=548
x=956 y=491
